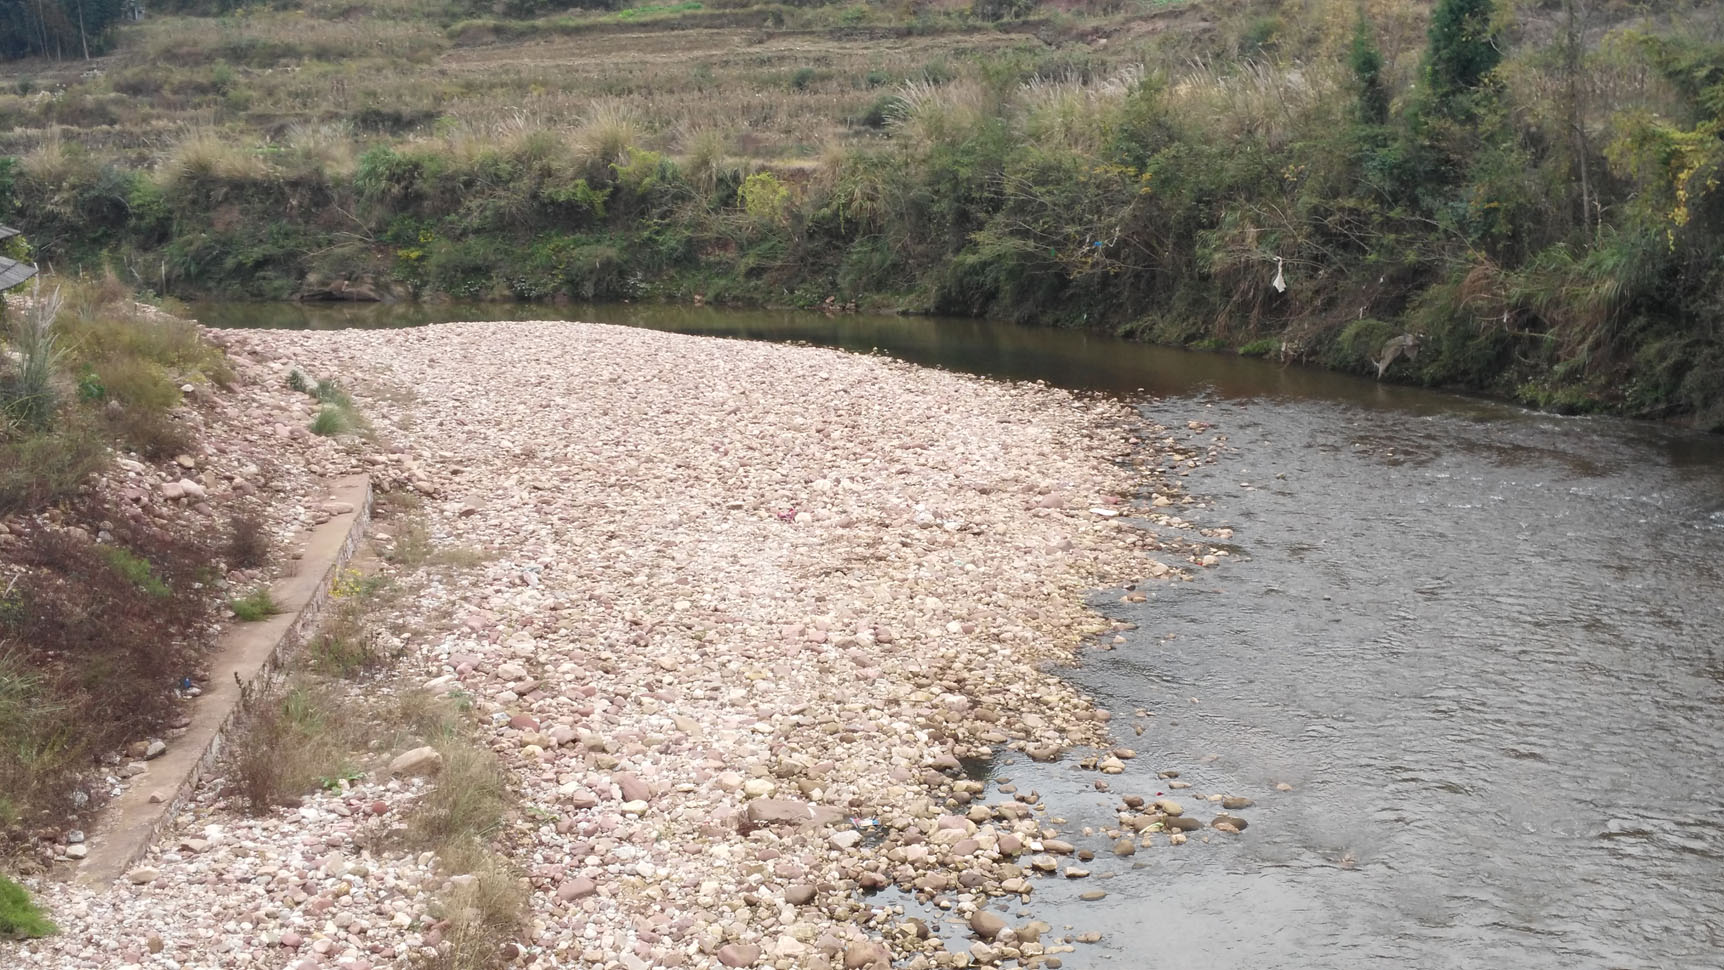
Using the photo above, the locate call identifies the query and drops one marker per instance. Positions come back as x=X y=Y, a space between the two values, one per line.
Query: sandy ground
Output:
x=744 y=608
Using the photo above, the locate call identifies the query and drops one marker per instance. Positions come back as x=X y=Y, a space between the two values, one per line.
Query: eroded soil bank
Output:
x=742 y=610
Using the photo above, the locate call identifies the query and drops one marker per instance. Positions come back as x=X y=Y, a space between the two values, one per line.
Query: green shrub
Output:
x=254 y=606
x=1360 y=343
x=1260 y=348
x=38 y=469
x=881 y=111
x=136 y=570
x=19 y=914
x=330 y=421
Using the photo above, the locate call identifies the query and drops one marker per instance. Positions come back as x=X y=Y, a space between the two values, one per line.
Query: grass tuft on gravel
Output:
x=296 y=738
x=20 y=917
x=254 y=606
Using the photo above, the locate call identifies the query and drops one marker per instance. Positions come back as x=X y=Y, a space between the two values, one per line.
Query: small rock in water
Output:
x=1090 y=896
x=986 y=925
x=1235 y=802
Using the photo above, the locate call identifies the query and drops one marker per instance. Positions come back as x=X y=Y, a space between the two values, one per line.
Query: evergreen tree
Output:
x=1367 y=67
x=1463 y=50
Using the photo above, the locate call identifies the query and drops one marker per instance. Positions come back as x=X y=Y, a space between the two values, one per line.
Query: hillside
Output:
x=1525 y=197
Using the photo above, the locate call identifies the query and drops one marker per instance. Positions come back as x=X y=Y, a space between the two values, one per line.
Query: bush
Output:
x=294 y=739
x=249 y=542
x=36 y=470
x=1001 y=9
x=153 y=434
x=329 y=422
x=136 y=570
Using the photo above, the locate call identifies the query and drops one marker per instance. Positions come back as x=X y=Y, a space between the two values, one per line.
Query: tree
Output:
x=1463 y=51
x=56 y=28
x=1366 y=64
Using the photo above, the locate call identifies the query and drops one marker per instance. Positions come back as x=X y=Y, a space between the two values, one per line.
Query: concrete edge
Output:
x=246 y=657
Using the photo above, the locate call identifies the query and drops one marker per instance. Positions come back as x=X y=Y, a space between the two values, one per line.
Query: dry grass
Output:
x=249 y=542
x=208 y=156
x=326 y=87
x=91 y=636
x=299 y=735
x=412 y=546
x=484 y=907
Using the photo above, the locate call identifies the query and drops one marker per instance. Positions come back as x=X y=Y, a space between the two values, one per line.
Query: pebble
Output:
x=739 y=954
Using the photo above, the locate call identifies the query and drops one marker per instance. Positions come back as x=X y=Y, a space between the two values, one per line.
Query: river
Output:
x=1483 y=647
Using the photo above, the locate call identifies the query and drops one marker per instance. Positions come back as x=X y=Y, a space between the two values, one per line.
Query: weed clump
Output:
x=19 y=914
x=296 y=738
x=254 y=606
x=329 y=422
x=248 y=542
x=348 y=645
x=338 y=414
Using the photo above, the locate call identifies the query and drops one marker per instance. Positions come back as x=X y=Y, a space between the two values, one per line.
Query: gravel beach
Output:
x=742 y=612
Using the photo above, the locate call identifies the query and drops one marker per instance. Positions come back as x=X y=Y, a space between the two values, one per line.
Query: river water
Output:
x=1483 y=647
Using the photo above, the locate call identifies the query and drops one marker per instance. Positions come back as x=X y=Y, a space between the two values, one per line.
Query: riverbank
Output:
x=744 y=612
x=1215 y=175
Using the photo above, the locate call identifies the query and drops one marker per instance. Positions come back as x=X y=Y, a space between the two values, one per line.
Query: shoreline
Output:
x=741 y=600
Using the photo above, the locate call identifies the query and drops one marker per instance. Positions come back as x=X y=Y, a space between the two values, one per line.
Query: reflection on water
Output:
x=1066 y=358
x=1485 y=647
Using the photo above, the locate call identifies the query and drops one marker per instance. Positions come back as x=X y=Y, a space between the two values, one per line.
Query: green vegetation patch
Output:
x=254 y=606
x=19 y=914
